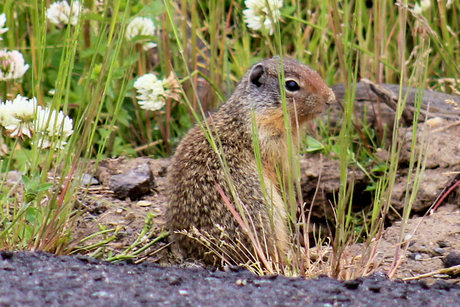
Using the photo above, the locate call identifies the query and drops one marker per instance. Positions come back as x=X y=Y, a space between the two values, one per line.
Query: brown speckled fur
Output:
x=194 y=200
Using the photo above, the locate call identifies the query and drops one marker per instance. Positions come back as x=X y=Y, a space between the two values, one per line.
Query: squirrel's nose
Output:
x=330 y=98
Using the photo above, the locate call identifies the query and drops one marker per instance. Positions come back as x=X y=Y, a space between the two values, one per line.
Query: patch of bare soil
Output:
x=40 y=279
x=129 y=215
x=429 y=240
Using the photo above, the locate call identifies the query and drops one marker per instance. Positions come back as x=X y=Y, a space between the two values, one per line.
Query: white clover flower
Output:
x=52 y=128
x=141 y=26
x=153 y=92
x=17 y=116
x=417 y=9
x=425 y=4
x=6 y=119
x=61 y=13
x=262 y=14
x=2 y=24
x=12 y=65
x=23 y=117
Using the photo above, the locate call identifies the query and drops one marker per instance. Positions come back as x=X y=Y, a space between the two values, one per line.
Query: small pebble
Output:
x=174 y=280
x=439 y=250
x=88 y=179
x=144 y=203
x=407 y=237
x=415 y=256
x=183 y=292
x=102 y=294
x=241 y=282
x=434 y=122
x=443 y=244
x=130 y=217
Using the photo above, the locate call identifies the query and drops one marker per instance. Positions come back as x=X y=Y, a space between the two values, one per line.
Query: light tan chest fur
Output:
x=276 y=168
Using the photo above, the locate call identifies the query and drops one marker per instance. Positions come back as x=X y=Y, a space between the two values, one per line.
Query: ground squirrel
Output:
x=195 y=171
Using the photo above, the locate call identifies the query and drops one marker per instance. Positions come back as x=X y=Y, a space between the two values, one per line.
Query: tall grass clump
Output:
x=131 y=77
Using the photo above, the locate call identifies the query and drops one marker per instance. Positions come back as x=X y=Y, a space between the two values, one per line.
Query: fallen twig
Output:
x=454 y=270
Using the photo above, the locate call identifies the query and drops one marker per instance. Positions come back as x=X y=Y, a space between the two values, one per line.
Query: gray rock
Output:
x=134 y=183
x=88 y=179
x=453 y=258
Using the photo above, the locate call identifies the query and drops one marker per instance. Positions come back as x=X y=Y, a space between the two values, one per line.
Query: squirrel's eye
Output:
x=292 y=86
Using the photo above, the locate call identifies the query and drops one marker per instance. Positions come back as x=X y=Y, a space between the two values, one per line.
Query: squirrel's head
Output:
x=306 y=93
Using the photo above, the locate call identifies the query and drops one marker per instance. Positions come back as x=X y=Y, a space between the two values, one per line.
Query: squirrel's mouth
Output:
x=326 y=106
x=309 y=111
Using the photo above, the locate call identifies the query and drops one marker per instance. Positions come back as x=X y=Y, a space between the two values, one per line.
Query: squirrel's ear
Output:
x=256 y=75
